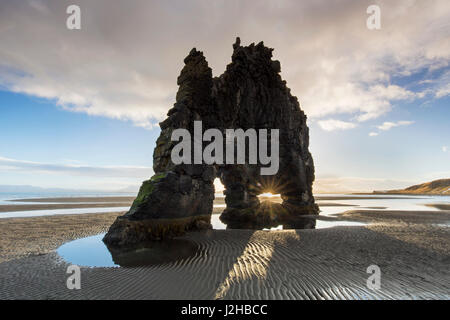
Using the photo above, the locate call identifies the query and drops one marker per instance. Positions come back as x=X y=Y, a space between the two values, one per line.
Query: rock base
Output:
x=269 y=215
x=125 y=232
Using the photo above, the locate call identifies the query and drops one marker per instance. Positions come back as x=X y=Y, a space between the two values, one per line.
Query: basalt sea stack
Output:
x=250 y=94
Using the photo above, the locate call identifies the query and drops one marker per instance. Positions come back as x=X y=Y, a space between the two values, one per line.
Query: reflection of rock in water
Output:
x=153 y=252
x=300 y=223
x=267 y=215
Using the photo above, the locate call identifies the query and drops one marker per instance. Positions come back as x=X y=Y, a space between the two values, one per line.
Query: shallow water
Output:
x=379 y=202
x=375 y=201
x=92 y=252
x=319 y=224
x=6 y=197
x=41 y=213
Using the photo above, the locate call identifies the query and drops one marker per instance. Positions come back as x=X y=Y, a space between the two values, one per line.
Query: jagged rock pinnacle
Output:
x=250 y=94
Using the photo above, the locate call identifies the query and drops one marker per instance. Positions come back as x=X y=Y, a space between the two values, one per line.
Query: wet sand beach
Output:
x=33 y=207
x=32 y=236
x=34 y=204
x=411 y=248
x=78 y=200
x=440 y=206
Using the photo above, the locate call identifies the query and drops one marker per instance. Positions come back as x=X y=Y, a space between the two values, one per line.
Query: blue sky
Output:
x=403 y=153
x=79 y=108
x=36 y=130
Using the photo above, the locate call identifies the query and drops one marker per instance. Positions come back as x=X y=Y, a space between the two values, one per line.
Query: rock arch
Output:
x=249 y=94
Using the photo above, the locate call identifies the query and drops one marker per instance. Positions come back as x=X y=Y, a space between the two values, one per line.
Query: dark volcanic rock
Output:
x=177 y=197
x=250 y=94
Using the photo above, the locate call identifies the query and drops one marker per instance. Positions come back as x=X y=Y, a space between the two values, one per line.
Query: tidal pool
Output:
x=93 y=252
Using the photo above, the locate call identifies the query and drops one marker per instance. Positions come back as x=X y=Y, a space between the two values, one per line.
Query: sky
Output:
x=80 y=109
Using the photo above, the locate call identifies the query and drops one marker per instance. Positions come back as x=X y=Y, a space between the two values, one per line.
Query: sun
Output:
x=268 y=195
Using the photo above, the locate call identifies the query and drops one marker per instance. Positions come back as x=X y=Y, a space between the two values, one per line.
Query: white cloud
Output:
x=124 y=61
x=332 y=124
x=444 y=148
x=389 y=125
x=373 y=134
x=443 y=91
x=75 y=170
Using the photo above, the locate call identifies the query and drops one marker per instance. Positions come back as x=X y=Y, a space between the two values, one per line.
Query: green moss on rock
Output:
x=158 y=177
x=146 y=189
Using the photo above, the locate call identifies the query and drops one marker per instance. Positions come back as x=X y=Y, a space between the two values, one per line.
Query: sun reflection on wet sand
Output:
x=255 y=255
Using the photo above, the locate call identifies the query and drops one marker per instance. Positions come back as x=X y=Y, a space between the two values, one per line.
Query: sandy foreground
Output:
x=411 y=248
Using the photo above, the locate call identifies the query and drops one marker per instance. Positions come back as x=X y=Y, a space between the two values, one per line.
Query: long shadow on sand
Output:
x=332 y=264
x=247 y=264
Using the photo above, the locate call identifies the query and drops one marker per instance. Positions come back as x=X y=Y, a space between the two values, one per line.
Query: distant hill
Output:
x=437 y=187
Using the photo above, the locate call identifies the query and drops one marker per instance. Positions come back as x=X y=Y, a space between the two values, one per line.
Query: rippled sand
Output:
x=411 y=248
